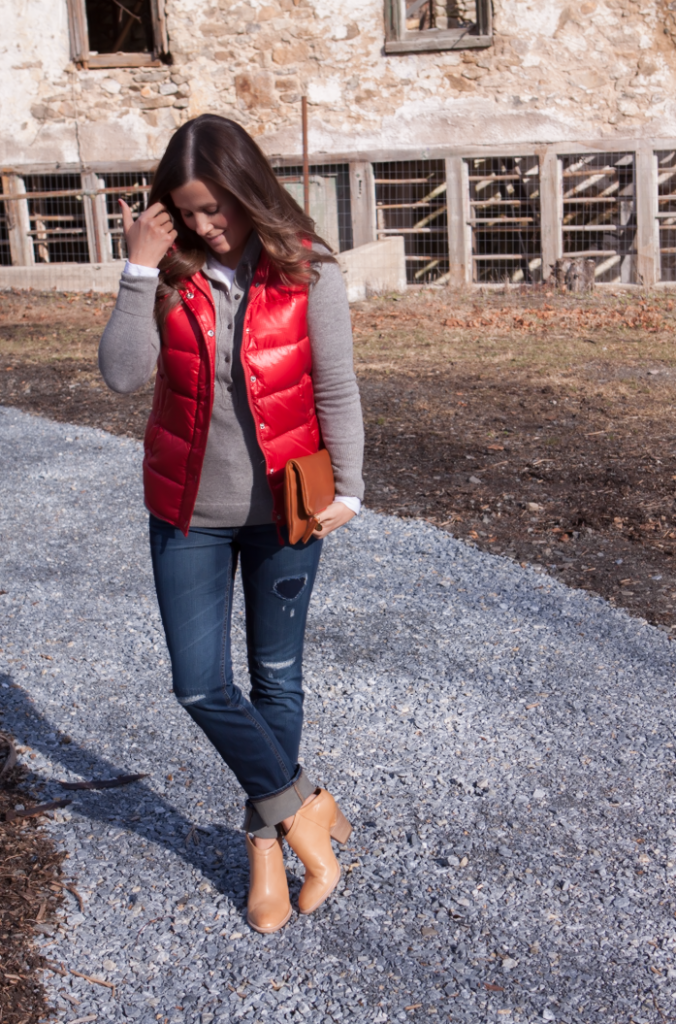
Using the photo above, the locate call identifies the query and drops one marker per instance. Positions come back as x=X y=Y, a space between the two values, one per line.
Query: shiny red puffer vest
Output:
x=277 y=363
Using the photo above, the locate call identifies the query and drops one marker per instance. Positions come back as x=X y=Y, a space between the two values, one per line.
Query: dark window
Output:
x=117 y=33
x=120 y=26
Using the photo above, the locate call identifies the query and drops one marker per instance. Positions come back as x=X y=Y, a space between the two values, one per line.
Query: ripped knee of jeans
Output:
x=275 y=666
x=289 y=587
x=185 y=700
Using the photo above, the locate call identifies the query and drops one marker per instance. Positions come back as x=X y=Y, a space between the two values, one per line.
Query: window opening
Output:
x=133 y=187
x=418 y=25
x=57 y=218
x=411 y=201
x=329 y=200
x=599 y=216
x=504 y=203
x=425 y=14
x=666 y=213
x=117 y=33
x=5 y=254
x=120 y=26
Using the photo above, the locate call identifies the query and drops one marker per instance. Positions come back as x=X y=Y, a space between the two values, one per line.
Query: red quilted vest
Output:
x=277 y=363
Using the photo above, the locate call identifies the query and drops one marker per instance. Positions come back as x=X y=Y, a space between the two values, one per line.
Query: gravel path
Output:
x=503 y=745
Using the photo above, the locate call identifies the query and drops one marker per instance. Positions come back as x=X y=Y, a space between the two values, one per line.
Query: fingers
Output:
x=127 y=216
x=156 y=208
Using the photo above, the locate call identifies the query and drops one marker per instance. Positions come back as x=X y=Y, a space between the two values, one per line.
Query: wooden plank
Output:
x=647 y=234
x=487 y=257
x=451 y=39
x=551 y=210
x=362 y=203
x=484 y=17
x=501 y=220
x=595 y=199
x=577 y=253
x=18 y=222
x=64 y=192
x=78 y=32
x=403 y=181
x=96 y=219
x=441 y=152
x=459 y=266
x=395 y=18
x=124 y=60
x=499 y=177
x=159 y=27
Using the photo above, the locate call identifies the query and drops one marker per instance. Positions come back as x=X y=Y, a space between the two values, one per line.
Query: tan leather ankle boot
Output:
x=268 y=906
x=314 y=825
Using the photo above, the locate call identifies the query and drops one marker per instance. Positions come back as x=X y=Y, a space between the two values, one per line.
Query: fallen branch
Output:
x=193 y=834
x=32 y=812
x=94 y=981
x=121 y=780
x=76 y=894
x=152 y=921
x=57 y=970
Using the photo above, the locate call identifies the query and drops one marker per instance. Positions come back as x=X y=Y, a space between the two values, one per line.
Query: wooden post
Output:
x=551 y=211
x=484 y=17
x=459 y=234
x=159 y=26
x=78 y=31
x=96 y=220
x=647 y=227
x=306 y=162
x=18 y=222
x=362 y=203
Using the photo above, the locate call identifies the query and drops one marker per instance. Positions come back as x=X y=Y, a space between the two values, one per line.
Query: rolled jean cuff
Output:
x=263 y=816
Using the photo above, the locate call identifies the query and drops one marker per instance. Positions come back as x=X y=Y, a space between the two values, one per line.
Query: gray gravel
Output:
x=503 y=745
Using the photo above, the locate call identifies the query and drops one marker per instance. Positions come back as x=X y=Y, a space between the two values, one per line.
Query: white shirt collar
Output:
x=225 y=275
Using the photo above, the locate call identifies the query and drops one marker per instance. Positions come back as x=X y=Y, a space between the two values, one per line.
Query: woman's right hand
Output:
x=149 y=236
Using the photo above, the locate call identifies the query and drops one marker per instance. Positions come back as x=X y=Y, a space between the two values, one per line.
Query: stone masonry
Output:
x=558 y=70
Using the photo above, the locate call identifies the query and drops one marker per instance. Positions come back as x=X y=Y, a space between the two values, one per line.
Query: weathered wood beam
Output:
x=362 y=203
x=647 y=227
x=18 y=222
x=459 y=235
x=551 y=210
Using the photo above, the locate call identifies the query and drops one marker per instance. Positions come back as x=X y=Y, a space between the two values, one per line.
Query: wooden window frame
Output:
x=399 y=40
x=79 y=41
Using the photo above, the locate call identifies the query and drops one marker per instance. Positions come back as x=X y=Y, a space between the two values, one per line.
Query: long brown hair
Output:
x=215 y=149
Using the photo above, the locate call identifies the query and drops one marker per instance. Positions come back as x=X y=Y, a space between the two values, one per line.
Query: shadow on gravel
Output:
x=216 y=852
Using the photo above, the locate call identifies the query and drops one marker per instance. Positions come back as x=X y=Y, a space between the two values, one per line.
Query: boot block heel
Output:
x=342 y=829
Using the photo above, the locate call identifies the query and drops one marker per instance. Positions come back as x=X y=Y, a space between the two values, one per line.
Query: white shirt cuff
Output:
x=136 y=270
x=354 y=504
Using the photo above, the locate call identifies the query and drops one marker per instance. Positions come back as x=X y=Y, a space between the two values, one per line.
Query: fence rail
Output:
x=483 y=220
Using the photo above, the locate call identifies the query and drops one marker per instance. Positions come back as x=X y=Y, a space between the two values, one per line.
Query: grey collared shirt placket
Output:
x=233 y=458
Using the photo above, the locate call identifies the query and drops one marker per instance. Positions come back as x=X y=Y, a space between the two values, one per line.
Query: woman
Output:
x=250 y=330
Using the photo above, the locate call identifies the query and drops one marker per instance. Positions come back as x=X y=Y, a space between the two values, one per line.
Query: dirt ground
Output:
x=535 y=425
x=30 y=892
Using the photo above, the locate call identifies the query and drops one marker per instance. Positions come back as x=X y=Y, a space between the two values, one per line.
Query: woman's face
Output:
x=216 y=216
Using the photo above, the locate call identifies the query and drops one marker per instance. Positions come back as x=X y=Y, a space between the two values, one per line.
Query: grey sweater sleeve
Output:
x=335 y=385
x=130 y=344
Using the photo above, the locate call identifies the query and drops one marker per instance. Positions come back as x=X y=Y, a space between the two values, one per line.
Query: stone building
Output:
x=495 y=137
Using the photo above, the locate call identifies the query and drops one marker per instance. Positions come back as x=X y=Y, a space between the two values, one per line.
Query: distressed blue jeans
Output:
x=257 y=738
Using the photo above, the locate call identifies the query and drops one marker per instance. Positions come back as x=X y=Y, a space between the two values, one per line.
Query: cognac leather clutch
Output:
x=309 y=488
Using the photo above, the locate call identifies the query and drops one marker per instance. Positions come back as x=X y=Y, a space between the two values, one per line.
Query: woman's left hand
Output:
x=334 y=516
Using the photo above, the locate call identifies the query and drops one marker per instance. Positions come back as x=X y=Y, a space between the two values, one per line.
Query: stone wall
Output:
x=559 y=70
